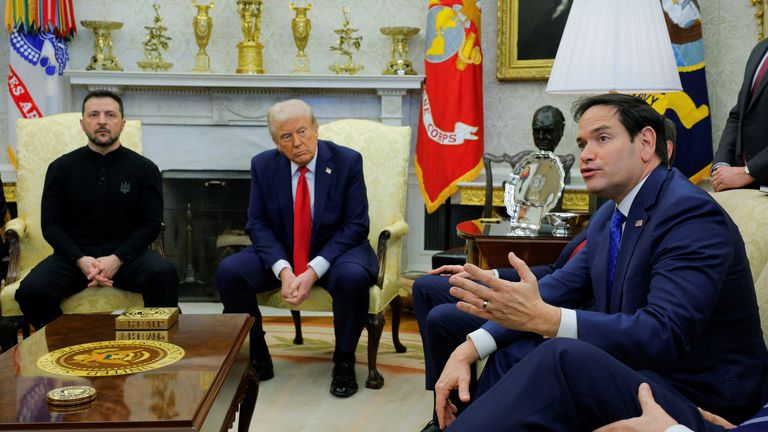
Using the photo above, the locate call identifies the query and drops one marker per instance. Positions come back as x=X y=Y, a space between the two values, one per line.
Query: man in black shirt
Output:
x=102 y=207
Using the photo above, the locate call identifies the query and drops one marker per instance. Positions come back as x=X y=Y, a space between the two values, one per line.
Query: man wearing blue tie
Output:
x=661 y=294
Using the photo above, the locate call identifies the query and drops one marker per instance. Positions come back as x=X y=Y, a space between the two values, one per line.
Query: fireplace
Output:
x=205 y=214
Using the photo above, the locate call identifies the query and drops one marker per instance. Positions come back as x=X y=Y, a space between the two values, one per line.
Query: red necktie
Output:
x=302 y=224
x=760 y=75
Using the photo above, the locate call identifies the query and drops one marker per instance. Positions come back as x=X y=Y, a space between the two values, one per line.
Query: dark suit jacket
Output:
x=340 y=221
x=683 y=302
x=746 y=129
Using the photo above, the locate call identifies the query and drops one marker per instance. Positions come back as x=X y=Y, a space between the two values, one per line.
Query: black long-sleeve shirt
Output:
x=98 y=205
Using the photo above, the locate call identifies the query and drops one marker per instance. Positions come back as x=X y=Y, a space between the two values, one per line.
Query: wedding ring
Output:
x=485 y=304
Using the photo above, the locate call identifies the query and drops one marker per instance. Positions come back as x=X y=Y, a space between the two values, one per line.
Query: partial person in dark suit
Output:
x=308 y=224
x=742 y=157
x=661 y=293
x=432 y=303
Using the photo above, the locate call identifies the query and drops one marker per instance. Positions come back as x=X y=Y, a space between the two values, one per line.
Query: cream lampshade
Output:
x=617 y=46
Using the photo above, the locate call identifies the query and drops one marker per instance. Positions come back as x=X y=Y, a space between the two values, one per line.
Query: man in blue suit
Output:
x=308 y=224
x=661 y=293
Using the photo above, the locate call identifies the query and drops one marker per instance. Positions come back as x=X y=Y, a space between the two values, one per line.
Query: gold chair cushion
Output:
x=747 y=208
x=386 y=151
x=38 y=143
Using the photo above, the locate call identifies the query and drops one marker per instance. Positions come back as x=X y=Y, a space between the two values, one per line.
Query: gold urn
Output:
x=202 y=24
x=301 y=25
x=399 y=64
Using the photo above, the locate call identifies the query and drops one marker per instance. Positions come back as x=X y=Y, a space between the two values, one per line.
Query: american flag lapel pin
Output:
x=327 y=170
x=638 y=223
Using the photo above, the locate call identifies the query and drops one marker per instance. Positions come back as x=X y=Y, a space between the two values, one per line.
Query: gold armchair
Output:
x=39 y=142
x=385 y=150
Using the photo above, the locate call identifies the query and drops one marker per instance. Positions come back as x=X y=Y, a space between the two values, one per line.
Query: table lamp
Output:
x=616 y=46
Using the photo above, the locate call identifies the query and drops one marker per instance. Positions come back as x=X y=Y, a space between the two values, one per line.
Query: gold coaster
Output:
x=71 y=395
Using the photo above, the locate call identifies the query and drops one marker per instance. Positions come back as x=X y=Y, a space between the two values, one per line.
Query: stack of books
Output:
x=146 y=323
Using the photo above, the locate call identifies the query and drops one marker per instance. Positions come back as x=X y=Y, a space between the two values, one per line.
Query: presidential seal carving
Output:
x=108 y=358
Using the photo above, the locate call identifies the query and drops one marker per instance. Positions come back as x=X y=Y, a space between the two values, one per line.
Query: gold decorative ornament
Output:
x=398 y=62
x=249 y=52
x=345 y=45
x=154 y=43
x=71 y=395
x=301 y=26
x=102 y=59
x=202 y=24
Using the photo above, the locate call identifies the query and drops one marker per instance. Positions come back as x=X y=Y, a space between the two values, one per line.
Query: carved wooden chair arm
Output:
x=14 y=231
x=394 y=231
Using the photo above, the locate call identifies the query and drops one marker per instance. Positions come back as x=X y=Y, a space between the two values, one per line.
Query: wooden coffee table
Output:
x=200 y=392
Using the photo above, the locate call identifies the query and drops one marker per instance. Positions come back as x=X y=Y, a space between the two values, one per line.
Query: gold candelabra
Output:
x=399 y=64
x=345 y=45
x=102 y=59
x=202 y=24
x=155 y=42
x=301 y=26
x=250 y=51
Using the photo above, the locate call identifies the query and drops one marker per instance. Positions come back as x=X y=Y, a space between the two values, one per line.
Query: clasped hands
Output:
x=295 y=289
x=99 y=271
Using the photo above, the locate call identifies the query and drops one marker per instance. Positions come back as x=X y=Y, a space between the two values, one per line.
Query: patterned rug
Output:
x=297 y=399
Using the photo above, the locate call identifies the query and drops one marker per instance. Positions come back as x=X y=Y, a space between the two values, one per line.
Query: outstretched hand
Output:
x=516 y=305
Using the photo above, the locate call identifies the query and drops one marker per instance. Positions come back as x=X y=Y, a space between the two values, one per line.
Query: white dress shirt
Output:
x=319 y=264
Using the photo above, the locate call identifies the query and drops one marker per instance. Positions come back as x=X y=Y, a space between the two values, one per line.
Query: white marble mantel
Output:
x=391 y=90
x=218 y=121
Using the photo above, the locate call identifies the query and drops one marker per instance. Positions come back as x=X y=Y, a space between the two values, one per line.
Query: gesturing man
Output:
x=661 y=293
x=308 y=223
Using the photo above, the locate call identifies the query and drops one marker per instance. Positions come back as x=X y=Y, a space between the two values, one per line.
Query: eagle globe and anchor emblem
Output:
x=446 y=38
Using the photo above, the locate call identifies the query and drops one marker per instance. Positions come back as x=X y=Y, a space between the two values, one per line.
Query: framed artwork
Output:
x=528 y=35
x=762 y=23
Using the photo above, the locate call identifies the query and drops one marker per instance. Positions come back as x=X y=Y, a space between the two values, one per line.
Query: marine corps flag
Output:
x=450 y=140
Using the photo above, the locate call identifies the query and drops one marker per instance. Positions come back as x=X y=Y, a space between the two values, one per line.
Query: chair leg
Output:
x=9 y=331
x=298 y=339
x=397 y=308
x=375 y=326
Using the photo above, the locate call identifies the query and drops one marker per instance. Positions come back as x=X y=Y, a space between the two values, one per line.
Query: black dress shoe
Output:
x=264 y=369
x=431 y=427
x=343 y=383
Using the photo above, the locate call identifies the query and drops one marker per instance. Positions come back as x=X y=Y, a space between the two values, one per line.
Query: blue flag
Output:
x=689 y=109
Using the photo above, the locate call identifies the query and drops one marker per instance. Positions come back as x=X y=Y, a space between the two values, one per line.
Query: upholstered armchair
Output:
x=38 y=143
x=747 y=208
x=385 y=151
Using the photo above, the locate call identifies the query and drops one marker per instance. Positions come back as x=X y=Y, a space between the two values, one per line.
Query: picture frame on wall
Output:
x=528 y=35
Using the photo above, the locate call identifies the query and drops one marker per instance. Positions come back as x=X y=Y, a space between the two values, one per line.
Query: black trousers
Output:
x=56 y=278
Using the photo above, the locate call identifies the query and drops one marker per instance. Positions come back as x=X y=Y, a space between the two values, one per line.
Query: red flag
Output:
x=450 y=141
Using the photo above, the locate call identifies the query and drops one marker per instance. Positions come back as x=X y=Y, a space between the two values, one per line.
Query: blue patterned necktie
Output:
x=615 y=240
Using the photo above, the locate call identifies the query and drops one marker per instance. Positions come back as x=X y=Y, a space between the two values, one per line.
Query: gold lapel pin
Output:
x=638 y=223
